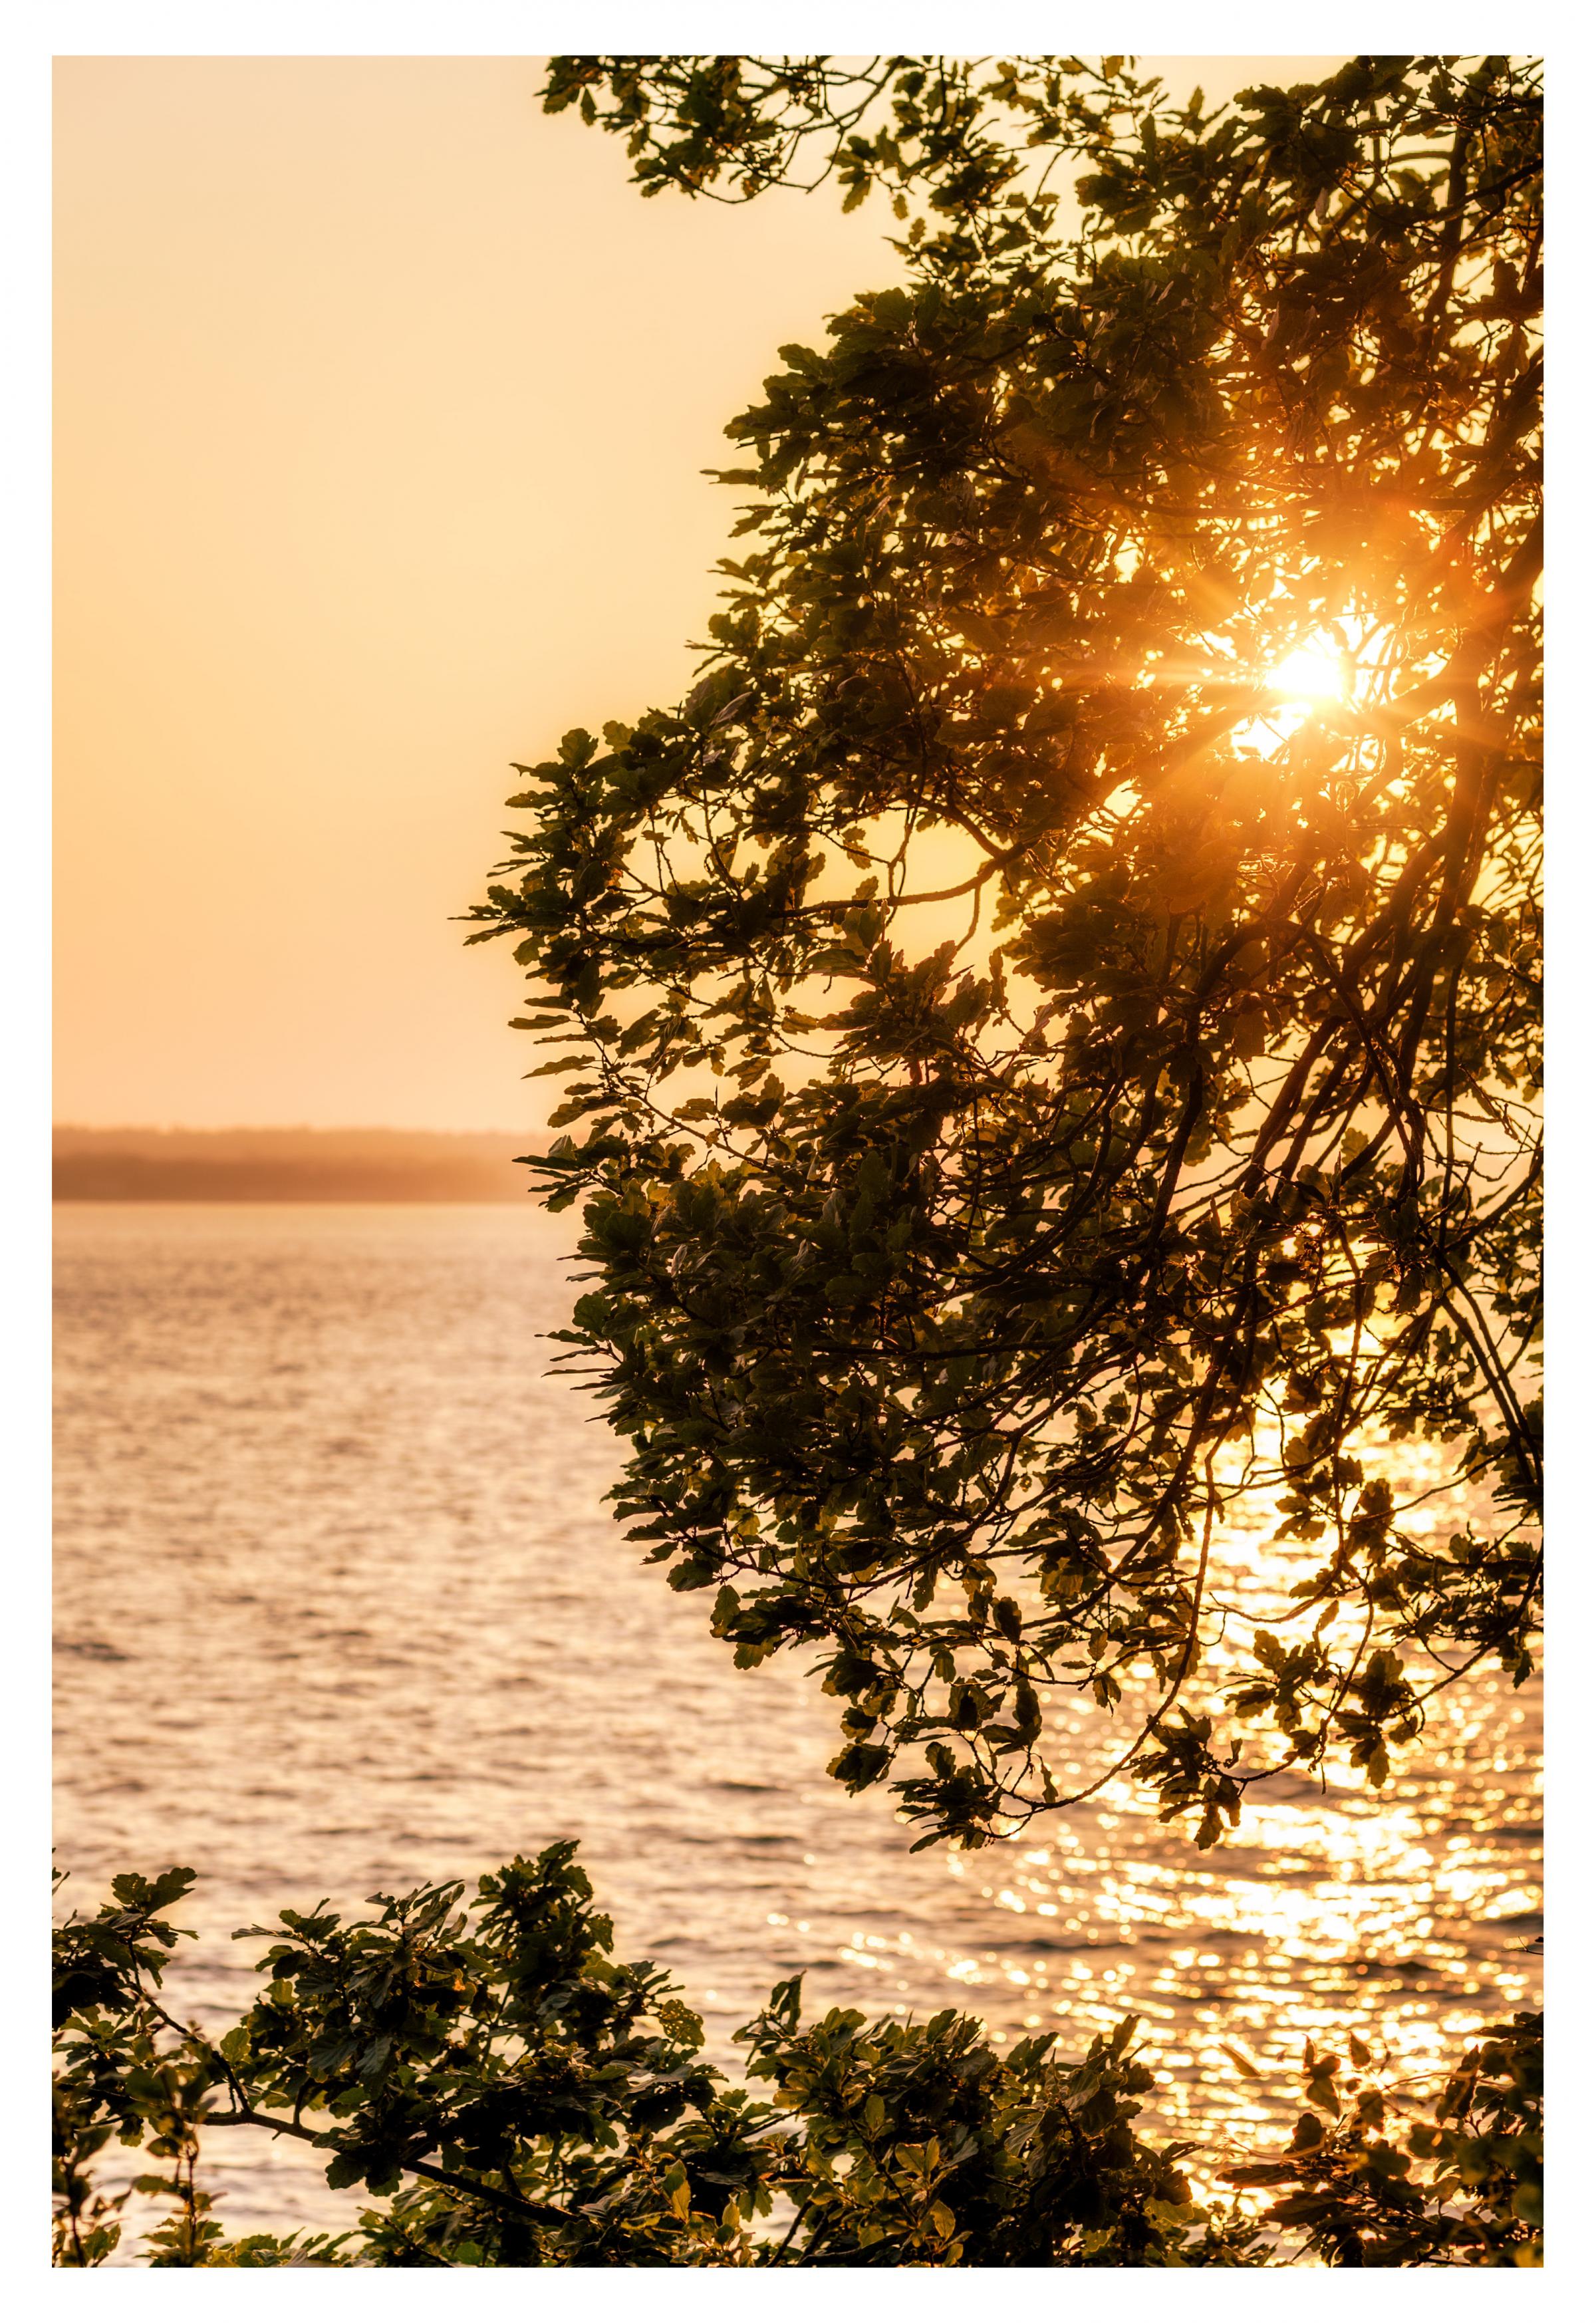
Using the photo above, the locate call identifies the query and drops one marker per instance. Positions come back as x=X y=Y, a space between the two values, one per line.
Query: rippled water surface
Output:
x=339 y=1607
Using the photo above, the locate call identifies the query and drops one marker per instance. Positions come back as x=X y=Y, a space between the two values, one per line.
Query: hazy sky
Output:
x=381 y=404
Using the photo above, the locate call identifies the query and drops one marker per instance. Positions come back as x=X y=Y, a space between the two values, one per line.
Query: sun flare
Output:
x=1313 y=672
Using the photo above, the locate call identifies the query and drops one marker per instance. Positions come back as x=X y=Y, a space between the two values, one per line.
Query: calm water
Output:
x=339 y=1607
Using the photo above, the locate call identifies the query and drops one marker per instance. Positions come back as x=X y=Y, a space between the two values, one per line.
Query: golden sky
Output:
x=381 y=401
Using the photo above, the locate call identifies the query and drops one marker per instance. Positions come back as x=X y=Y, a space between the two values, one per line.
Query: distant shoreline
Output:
x=289 y=1165
x=286 y=1196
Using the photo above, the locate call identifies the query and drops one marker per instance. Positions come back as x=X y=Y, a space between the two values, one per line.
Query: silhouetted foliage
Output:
x=950 y=1287
x=1359 y=2204
x=551 y=2106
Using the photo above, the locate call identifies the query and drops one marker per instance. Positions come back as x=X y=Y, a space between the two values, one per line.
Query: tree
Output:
x=550 y=2106
x=1174 y=577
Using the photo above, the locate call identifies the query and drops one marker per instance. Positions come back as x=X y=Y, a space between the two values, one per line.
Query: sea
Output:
x=341 y=1609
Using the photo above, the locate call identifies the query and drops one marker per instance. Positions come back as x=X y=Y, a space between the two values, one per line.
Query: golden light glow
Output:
x=1341 y=1905
x=1313 y=673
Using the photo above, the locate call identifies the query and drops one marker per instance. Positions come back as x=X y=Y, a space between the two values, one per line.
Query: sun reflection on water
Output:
x=1403 y=1915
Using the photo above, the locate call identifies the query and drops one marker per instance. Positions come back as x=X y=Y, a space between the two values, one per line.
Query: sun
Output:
x=1315 y=672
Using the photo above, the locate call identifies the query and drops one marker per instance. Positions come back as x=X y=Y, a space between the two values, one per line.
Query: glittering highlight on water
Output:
x=340 y=1608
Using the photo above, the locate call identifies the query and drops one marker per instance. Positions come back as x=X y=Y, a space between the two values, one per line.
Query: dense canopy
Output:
x=1052 y=1017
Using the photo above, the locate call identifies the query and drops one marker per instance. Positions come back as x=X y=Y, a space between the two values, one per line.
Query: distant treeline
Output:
x=289 y=1165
